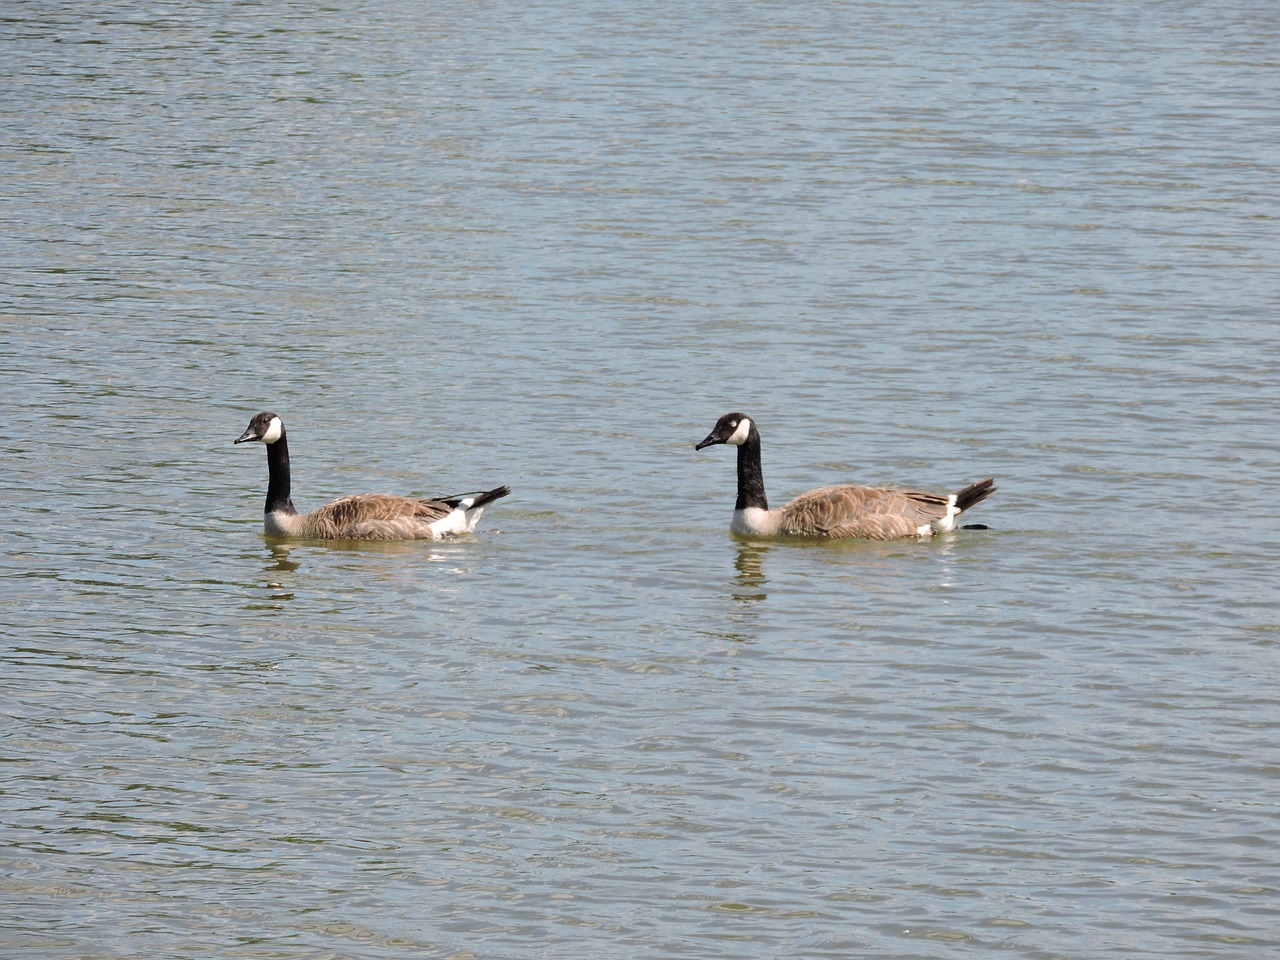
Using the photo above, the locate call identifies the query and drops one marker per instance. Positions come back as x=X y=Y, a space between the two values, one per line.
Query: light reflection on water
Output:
x=551 y=247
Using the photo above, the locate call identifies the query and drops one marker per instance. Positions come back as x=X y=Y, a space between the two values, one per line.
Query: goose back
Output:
x=371 y=516
x=867 y=513
x=385 y=516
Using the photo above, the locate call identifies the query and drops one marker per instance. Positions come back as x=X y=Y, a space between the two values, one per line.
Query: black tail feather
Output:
x=482 y=498
x=975 y=493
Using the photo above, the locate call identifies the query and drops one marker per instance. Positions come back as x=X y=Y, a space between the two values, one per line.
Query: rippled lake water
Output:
x=458 y=245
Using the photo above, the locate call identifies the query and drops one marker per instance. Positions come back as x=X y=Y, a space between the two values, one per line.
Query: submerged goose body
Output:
x=364 y=516
x=845 y=511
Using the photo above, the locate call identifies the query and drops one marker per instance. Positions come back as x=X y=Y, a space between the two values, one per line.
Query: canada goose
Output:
x=364 y=516
x=839 y=512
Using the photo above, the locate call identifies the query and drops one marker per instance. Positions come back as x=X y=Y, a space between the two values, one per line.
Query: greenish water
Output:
x=456 y=246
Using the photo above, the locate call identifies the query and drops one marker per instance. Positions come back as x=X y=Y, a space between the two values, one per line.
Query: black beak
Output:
x=711 y=440
x=247 y=435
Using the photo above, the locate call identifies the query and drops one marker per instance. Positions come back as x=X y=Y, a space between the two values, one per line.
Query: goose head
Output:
x=265 y=427
x=732 y=428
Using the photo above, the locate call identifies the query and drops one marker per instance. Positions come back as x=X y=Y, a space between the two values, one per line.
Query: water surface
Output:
x=548 y=245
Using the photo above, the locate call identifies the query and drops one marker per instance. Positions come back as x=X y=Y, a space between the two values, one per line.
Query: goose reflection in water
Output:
x=751 y=581
x=280 y=559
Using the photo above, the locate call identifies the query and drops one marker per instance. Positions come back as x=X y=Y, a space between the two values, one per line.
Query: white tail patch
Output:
x=461 y=519
x=948 y=522
x=453 y=523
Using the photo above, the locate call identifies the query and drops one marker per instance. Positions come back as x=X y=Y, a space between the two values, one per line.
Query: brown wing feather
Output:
x=375 y=516
x=867 y=513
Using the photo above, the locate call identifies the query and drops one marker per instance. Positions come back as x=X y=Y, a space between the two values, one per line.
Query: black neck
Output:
x=278 y=477
x=750 y=476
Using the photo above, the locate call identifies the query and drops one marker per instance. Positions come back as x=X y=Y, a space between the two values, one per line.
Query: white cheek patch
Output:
x=740 y=435
x=274 y=429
